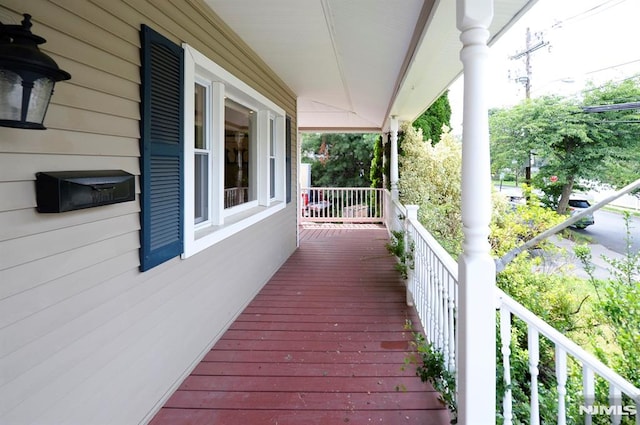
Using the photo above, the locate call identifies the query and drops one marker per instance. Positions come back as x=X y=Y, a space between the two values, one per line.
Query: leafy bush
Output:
x=605 y=322
x=430 y=178
x=397 y=247
x=431 y=368
x=618 y=308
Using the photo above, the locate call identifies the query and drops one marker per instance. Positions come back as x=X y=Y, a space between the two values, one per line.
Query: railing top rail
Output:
x=569 y=346
x=376 y=189
x=397 y=204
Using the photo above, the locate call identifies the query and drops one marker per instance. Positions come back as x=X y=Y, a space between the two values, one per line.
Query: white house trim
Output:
x=393 y=128
x=223 y=222
x=476 y=339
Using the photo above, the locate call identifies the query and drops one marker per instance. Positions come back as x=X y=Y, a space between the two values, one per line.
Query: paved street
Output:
x=608 y=240
x=599 y=256
x=609 y=230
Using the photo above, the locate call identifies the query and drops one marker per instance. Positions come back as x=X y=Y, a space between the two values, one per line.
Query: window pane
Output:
x=201 y=156
x=201 y=187
x=200 y=116
x=272 y=138
x=238 y=172
x=272 y=159
x=272 y=177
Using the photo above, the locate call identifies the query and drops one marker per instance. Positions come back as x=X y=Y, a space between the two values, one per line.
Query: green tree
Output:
x=377 y=164
x=617 y=305
x=620 y=127
x=570 y=144
x=432 y=120
x=430 y=178
x=339 y=160
x=509 y=149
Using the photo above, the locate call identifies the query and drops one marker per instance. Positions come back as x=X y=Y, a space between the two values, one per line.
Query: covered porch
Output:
x=326 y=339
x=324 y=342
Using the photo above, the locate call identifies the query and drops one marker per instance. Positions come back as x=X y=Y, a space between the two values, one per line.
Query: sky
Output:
x=588 y=40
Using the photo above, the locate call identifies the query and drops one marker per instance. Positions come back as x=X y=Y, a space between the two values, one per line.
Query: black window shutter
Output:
x=162 y=153
x=287 y=136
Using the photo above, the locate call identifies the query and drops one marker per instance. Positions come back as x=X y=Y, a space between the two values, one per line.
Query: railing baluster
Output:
x=408 y=238
x=588 y=392
x=615 y=401
x=414 y=275
x=417 y=277
x=445 y=316
x=432 y=297
x=452 y=323
x=372 y=204
x=533 y=343
x=561 y=377
x=505 y=340
x=417 y=287
x=439 y=308
x=334 y=202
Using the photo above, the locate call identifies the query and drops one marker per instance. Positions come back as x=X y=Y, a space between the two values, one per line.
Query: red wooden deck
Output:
x=324 y=342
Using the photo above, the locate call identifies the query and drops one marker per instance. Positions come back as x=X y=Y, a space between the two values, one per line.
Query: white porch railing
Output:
x=564 y=347
x=235 y=196
x=432 y=286
x=342 y=205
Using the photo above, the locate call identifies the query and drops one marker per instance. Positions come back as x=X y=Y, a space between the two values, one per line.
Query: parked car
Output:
x=576 y=205
x=515 y=201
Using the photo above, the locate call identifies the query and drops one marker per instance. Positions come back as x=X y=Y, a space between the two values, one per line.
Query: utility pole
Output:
x=526 y=79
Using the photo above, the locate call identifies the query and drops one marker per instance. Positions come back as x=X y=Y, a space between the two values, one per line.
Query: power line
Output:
x=585 y=90
x=614 y=107
x=530 y=48
x=612 y=66
x=599 y=8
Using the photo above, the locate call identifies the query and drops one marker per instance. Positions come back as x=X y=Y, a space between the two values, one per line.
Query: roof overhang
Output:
x=355 y=63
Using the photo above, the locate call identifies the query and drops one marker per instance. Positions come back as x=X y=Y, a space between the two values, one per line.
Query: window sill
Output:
x=209 y=236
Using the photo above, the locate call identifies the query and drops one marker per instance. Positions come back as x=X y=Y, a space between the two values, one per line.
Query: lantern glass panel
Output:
x=39 y=101
x=10 y=95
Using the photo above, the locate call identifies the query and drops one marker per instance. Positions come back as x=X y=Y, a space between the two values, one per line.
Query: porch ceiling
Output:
x=354 y=63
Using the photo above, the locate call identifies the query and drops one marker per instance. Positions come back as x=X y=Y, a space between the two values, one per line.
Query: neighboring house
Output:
x=103 y=311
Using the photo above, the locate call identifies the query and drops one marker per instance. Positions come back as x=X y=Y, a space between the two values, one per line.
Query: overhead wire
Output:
x=589 y=13
x=599 y=8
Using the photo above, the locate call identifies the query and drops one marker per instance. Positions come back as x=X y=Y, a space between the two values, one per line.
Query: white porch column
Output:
x=393 y=128
x=477 y=349
x=385 y=160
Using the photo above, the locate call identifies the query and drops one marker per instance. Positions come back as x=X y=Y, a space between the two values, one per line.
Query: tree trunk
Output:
x=567 y=188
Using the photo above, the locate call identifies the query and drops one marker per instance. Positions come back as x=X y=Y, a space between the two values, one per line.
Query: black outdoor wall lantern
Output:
x=27 y=77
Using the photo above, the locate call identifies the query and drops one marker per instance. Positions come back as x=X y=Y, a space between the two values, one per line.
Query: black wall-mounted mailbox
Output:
x=59 y=191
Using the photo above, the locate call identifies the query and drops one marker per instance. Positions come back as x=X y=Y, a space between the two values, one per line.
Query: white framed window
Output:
x=272 y=158
x=234 y=154
x=201 y=152
x=240 y=141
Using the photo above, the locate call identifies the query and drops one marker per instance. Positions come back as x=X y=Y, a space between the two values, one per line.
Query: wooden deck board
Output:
x=299 y=417
x=324 y=342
